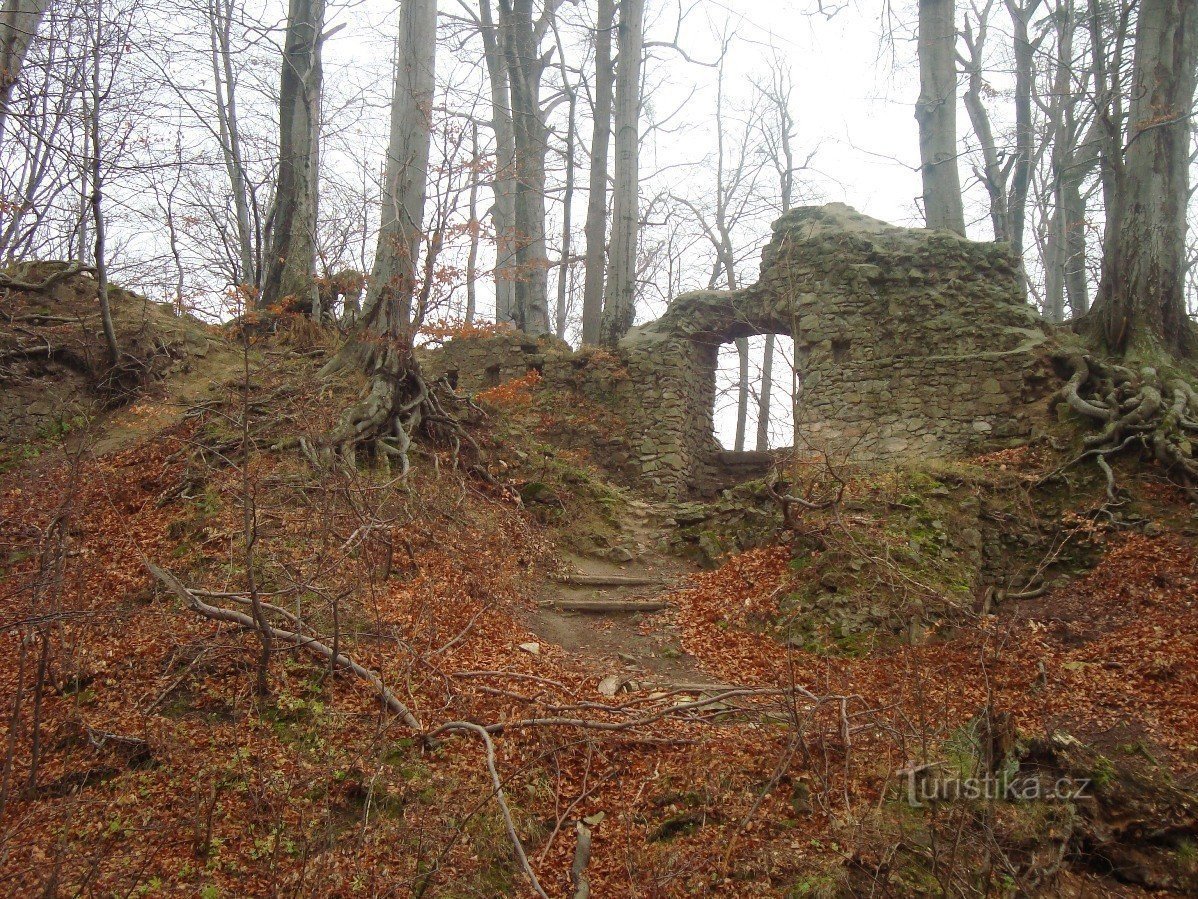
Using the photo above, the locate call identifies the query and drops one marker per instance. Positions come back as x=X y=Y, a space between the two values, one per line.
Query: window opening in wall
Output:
x=778 y=430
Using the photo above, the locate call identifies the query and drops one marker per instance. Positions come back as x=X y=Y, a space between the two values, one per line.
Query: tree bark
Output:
x=619 y=307
x=742 y=393
x=95 y=140
x=383 y=342
x=596 y=223
x=19 y=21
x=1141 y=296
x=1021 y=170
x=503 y=212
x=563 y=268
x=220 y=19
x=472 y=254
x=526 y=65
x=292 y=255
x=936 y=114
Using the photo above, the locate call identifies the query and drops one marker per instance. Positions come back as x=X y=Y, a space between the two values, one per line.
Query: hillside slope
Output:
x=743 y=730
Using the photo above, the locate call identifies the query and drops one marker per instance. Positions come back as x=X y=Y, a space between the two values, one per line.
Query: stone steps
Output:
x=609 y=580
x=608 y=606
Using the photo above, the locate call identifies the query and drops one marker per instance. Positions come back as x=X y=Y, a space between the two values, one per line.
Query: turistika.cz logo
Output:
x=924 y=785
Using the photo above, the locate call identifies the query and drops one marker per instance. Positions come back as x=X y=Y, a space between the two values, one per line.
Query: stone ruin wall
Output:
x=909 y=343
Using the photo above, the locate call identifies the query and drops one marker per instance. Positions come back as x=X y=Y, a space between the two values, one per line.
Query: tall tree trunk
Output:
x=503 y=211
x=620 y=294
x=563 y=269
x=19 y=21
x=742 y=393
x=1025 y=50
x=526 y=65
x=784 y=163
x=993 y=175
x=1073 y=210
x=1141 y=297
x=292 y=255
x=472 y=254
x=763 y=398
x=936 y=113
x=596 y=224
x=1073 y=159
x=96 y=145
x=381 y=344
x=220 y=20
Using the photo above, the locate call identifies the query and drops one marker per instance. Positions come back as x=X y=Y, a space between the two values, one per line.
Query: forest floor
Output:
x=744 y=734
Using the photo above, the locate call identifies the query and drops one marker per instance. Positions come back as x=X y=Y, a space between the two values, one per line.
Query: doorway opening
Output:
x=756 y=382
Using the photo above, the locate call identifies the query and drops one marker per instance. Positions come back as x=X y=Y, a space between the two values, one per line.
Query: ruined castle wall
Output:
x=909 y=343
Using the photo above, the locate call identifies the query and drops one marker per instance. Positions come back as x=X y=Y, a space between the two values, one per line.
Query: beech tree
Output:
x=292 y=255
x=620 y=291
x=220 y=21
x=936 y=113
x=397 y=398
x=522 y=33
x=1073 y=158
x=1141 y=295
x=777 y=135
x=595 y=230
x=19 y=22
x=503 y=184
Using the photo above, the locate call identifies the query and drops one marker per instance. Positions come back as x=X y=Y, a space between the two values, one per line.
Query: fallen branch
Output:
x=312 y=645
x=517 y=846
x=582 y=855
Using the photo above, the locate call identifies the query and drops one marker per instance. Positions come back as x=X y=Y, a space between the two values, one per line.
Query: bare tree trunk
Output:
x=742 y=393
x=1074 y=157
x=388 y=307
x=936 y=113
x=95 y=139
x=19 y=21
x=993 y=174
x=292 y=256
x=526 y=65
x=563 y=269
x=503 y=212
x=1025 y=50
x=763 y=399
x=619 y=307
x=596 y=224
x=1141 y=298
x=472 y=255
x=220 y=18
x=1073 y=211
x=778 y=96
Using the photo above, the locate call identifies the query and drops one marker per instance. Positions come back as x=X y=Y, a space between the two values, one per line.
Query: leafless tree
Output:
x=596 y=221
x=936 y=113
x=619 y=301
x=1142 y=294
x=220 y=19
x=292 y=255
x=19 y=23
x=523 y=32
x=503 y=209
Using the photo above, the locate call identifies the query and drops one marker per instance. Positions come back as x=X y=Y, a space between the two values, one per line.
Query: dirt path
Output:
x=613 y=617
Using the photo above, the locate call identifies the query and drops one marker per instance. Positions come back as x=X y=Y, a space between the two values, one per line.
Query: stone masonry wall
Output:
x=909 y=343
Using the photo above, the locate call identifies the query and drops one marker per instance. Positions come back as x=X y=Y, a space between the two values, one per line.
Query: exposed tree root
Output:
x=7 y=282
x=399 y=406
x=1134 y=409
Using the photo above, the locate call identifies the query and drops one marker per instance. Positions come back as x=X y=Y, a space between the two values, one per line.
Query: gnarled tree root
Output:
x=1134 y=408
x=399 y=406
